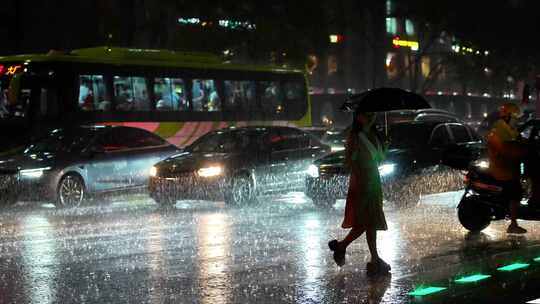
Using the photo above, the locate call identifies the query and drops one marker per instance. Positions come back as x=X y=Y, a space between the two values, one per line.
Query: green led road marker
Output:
x=424 y=291
x=537 y=259
x=513 y=267
x=473 y=278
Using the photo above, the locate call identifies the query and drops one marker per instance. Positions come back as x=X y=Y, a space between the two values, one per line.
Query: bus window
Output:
x=130 y=94
x=93 y=95
x=271 y=97
x=295 y=95
x=170 y=94
x=205 y=96
x=240 y=95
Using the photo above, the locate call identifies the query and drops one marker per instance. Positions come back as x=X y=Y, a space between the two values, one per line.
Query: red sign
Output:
x=13 y=69
x=9 y=70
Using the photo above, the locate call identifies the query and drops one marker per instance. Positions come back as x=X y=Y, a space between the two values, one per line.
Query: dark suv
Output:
x=416 y=163
x=335 y=138
x=237 y=164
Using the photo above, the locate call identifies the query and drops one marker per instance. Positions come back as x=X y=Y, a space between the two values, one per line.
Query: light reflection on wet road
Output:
x=130 y=251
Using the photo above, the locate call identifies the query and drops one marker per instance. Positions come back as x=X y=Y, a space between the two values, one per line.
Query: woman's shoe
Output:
x=377 y=268
x=333 y=245
x=383 y=266
x=339 y=254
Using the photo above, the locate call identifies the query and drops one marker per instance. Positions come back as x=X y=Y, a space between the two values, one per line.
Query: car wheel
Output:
x=241 y=191
x=324 y=202
x=472 y=215
x=71 y=191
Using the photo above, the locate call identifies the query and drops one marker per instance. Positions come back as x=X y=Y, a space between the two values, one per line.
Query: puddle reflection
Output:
x=157 y=264
x=312 y=261
x=214 y=245
x=39 y=256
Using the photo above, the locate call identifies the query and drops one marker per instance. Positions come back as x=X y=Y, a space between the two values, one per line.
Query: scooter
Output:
x=482 y=201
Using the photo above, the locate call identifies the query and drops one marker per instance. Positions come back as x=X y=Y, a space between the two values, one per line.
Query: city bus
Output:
x=178 y=95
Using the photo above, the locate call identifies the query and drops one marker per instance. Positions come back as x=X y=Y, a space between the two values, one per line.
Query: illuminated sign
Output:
x=13 y=69
x=414 y=45
x=229 y=24
x=9 y=70
x=336 y=38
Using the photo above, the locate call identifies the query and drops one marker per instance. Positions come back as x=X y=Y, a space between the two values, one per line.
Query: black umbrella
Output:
x=383 y=100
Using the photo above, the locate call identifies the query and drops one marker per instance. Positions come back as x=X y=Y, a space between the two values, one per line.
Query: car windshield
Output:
x=221 y=142
x=60 y=140
x=335 y=135
x=407 y=136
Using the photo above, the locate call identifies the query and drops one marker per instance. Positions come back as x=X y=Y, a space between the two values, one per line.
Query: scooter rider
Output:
x=505 y=155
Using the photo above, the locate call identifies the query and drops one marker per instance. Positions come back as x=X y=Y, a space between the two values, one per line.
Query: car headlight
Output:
x=313 y=171
x=387 y=169
x=153 y=171
x=210 y=171
x=34 y=173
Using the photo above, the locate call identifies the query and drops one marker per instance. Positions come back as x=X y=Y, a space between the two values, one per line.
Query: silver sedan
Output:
x=74 y=163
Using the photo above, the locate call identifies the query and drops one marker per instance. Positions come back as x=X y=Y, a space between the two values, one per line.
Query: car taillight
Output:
x=466 y=179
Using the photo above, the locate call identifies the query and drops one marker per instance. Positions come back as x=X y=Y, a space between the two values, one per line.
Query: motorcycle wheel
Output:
x=473 y=215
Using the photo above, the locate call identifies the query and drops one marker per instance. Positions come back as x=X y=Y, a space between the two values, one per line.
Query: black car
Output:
x=429 y=114
x=72 y=163
x=335 y=138
x=237 y=164
x=422 y=158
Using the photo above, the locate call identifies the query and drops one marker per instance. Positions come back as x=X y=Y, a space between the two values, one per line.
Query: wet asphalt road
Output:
x=131 y=251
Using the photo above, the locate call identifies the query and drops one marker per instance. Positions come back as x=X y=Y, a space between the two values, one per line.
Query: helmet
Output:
x=509 y=109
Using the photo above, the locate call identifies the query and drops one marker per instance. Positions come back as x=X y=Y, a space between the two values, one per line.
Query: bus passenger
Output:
x=213 y=101
x=198 y=95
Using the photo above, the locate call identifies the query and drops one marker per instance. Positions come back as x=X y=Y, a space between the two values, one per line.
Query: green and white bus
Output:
x=179 y=96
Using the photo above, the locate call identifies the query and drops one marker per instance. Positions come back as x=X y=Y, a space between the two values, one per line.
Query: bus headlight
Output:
x=313 y=171
x=34 y=173
x=210 y=171
x=153 y=171
x=386 y=169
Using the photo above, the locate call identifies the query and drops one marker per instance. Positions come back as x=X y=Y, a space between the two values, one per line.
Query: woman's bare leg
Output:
x=371 y=237
x=353 y=234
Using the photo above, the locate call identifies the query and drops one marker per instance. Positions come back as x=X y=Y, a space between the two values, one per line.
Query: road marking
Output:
x=513 y=267
x=473 y=278
x=423 y=291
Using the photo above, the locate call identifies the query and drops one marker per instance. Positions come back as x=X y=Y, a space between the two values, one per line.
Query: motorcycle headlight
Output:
x=34 y=173
x=313 y=171
x=386 y=169
x=210 y=171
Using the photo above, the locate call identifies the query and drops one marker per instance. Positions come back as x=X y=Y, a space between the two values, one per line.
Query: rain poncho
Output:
x=364 y=198
x=505 y=153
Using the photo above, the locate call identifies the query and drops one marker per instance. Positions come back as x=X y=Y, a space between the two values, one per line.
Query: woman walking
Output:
x=363 y=208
